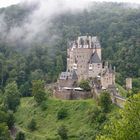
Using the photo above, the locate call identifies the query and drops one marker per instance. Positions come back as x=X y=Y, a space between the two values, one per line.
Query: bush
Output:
x=32 y=125
x=20 y=136
x=84 y=84
x=105 y=101
x=62 y=113
x=96 y=116
x=44 y=105
x=10 y=120
x=63 y=132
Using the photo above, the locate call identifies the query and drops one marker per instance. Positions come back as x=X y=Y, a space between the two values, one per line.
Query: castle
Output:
x=84 y=61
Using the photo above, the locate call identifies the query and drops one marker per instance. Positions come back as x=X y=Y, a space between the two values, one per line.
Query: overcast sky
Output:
x=4 y=3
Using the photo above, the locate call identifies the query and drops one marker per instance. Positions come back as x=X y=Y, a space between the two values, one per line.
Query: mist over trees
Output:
x=117 y=26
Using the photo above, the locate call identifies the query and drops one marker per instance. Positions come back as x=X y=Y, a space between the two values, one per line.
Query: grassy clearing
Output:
x=47 y=122
x=122 y=91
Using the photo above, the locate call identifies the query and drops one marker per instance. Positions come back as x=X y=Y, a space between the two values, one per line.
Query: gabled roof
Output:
x=68 y=75
x=94 y=58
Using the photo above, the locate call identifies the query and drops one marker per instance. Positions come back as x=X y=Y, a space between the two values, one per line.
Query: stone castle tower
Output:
x=84 y=56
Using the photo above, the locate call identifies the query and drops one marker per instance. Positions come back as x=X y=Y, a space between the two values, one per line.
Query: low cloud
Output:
x=38 y=23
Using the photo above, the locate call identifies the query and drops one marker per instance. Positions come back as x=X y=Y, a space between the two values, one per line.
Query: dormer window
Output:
x=90 y=66
x=74 y=66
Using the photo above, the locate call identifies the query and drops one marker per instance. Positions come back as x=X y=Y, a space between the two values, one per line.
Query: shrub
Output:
x=105 y=101
x=96 y=116
x=63 y=132
x=84 y=84
x=10 y=120
x=20 y=136
x=44 y=105
x=32 y=125
x=62 y=113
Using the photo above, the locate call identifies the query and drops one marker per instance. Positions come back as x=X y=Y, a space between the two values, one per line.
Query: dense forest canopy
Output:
x=44 y=56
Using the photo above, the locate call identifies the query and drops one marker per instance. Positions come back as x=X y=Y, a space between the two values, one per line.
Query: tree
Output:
x=63 y=132
x=105 y=101
x=3 y=116
x=20 y=136
x=84 y=84
x=37 y=75
x=38 y=91
x=59 y=64
x=25 y=89
x=11 y=96
x=21 y=77
x=127 y=126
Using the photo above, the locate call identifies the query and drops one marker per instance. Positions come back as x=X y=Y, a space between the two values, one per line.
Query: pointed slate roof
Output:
x=94 y=58
x=74 y=75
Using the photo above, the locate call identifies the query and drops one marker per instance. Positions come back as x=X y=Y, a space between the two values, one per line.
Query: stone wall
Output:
x=66 y=83
x=65 y=94
x=71 y=94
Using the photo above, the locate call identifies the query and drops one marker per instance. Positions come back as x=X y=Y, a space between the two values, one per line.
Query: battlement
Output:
x=85 y=42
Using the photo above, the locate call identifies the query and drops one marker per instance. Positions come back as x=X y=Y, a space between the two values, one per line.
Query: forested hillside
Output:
x=117 y=25
x=33 y=53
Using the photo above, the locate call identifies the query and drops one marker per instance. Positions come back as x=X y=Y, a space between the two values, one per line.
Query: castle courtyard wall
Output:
x=71 y=94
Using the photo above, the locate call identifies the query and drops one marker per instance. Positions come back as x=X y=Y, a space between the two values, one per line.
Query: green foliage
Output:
x=6 y=122
x=127 y=126
x=96 y=116
x=37 y=75
x=11 y=96
x=122 y=90
x=105 y=101
x=3 y=116
x=86 y=134
x=25 y=89
x=44 y=105
x=59 y=64
x=62 y=113
x=4 y=132
x=136 y=85
x=10 y=120
x=84 y=84
x=47 y=122
x=63 y=132
x=38 y=91
x=32 y=125
x=20 y=136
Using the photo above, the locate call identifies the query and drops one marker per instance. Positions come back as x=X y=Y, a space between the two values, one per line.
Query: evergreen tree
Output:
x=38 y=91
x=11 y=96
